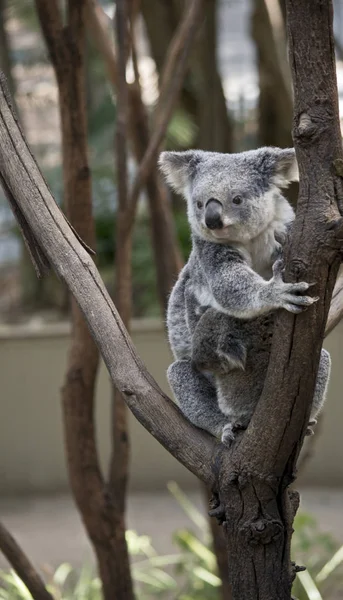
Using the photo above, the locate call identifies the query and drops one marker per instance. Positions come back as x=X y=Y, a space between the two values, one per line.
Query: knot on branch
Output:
x=306 y=128
x=296 y=569
x=298 y=268
x=263 y=531
x=294 y=500
x=217 y=509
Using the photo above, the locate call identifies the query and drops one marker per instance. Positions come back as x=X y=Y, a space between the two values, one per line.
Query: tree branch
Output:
x=52 y=25
x=166 y=251
x=171 y=82
x=195 y=449
x=22 y=566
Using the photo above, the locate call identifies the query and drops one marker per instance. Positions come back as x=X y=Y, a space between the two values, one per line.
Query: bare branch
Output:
x=171 y=82
x=98 y=24
x=166 y=251
x=52 y=25
x=195 y=449
x=22 y=566
x=279 y=38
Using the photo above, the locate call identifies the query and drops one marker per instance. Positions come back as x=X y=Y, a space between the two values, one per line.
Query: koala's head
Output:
x=231 y=197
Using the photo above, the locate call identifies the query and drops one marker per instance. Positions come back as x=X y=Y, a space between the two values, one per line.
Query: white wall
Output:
x=32 y=364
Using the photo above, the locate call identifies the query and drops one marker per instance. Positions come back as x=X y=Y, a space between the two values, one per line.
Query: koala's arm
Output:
x=240 y=292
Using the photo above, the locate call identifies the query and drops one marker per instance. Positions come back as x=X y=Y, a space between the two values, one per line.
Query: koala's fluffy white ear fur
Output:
x=286 y=168
x=178 y=167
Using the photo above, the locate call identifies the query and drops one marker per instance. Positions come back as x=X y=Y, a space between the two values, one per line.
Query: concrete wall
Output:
x=32 y=365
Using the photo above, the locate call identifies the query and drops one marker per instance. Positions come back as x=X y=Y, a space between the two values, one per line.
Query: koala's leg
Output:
x=320 y=389
x=217 y=346
x=196 y=396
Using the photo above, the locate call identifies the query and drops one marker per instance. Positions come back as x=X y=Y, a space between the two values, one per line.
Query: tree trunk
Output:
x=257 y=507
x=95 y=500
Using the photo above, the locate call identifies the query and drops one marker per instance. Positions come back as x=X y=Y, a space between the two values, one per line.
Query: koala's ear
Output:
x=179 y=168
x=286 y=167
x=281 y=166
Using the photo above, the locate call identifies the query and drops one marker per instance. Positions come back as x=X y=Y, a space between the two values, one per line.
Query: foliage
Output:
x=322 y=556
x=191 y=572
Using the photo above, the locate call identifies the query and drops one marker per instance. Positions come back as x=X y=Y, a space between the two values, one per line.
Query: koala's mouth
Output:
x=222 y=233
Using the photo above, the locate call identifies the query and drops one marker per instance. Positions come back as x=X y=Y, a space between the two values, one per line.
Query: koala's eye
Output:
x=199 y=204
x=237 y=200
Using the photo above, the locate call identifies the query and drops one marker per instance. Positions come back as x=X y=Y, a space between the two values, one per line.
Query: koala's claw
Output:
x=290 y=295
x=278 y=267
x=230 y=431
x=311 y=424
x=297 y=304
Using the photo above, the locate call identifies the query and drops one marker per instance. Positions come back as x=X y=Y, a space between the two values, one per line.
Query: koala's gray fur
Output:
x=221 y=310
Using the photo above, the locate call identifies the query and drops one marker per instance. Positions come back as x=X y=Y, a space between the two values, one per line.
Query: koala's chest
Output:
x=260 y=254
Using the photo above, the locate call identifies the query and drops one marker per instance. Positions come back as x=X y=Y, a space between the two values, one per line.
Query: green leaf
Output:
x=330 y=566
x=309 y=586
x=61 y=574
x=188 y=507
x=206 y=576
x=189 y=541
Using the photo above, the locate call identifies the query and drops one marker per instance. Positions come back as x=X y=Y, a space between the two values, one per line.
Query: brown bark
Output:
x=214 y=122
x=275 y=105
x=66 y=45
x=166 y=251
x=119 y=466
x=251 y=481
x=22 y=566
x=161 y=20
x=258 y=507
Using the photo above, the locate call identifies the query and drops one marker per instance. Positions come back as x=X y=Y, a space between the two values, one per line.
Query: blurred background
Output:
x=236 y=95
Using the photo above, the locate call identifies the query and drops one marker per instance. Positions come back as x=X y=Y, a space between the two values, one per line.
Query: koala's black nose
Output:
x=213 y=214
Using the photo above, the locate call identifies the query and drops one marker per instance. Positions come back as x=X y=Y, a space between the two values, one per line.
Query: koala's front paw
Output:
x=288 y=295
x=230 y=432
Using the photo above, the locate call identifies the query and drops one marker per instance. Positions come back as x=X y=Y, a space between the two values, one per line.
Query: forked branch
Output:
x=195 y=449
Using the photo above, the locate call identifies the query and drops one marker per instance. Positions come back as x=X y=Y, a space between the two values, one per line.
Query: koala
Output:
x=221 y=311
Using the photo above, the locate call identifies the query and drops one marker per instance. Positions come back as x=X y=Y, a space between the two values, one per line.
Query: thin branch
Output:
x=167 y=255
x=22 y=566
x=171 y=82
x=52 y=25
x=276 y=20
x=195 y=449
x=99 y=26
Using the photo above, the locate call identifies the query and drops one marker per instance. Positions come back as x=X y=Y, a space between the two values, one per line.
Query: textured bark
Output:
x=97 y=505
